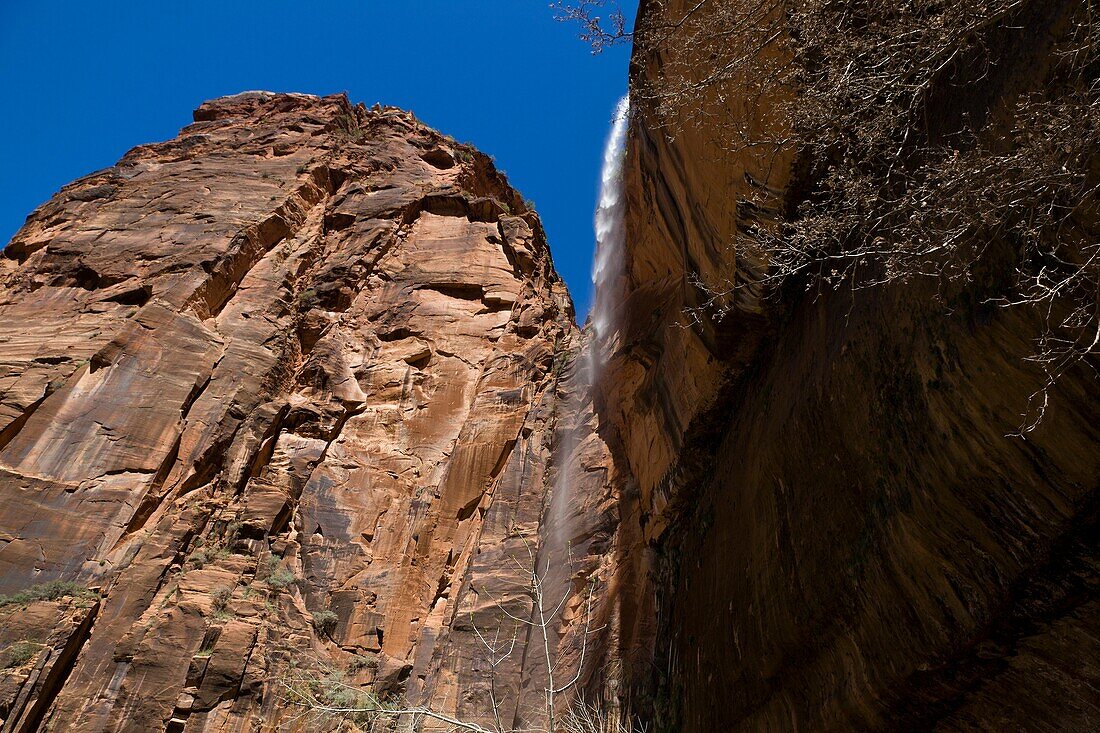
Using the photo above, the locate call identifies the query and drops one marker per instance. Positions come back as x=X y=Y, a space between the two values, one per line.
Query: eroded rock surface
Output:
x=282 y=391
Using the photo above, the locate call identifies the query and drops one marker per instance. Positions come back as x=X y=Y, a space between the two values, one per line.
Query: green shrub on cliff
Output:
x=18 y=654
x=51 y=591
x=281 y=579
x=325 y=621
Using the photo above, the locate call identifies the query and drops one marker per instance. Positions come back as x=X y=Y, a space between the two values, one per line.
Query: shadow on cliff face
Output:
x=846 y=537
x=863 y=507
x=591 y=547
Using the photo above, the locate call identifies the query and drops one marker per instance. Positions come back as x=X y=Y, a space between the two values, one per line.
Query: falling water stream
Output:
x=577 y=461
x=607 y=268
x=610 y=232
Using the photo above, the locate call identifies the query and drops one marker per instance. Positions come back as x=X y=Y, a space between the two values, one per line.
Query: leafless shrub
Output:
x=220 y=597
x=599 y=32
x=323 y=693
x=318 y=689
x=901 y=172
x=545 y=613
x=585 y=717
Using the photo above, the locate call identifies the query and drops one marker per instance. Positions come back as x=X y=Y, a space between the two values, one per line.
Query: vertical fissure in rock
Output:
x=59 y=672
x=255 y=242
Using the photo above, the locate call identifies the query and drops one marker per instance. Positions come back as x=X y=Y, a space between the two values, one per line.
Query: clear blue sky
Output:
x=83 y=82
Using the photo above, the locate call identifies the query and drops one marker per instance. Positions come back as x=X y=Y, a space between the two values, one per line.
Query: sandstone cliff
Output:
x=278 y=397
x=845 y=537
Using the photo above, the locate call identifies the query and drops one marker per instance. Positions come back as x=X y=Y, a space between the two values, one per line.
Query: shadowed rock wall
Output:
x=844 y=536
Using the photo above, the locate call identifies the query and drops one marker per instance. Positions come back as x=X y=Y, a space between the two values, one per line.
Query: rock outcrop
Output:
x=277 y=406
x=845 y=536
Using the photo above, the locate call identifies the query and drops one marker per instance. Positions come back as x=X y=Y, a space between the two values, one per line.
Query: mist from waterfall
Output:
x=607 y=267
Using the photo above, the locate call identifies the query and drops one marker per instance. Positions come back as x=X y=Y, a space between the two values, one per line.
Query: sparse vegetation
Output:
x=207 y=649
x=231 y=533
x=325 y=621
x=281 y=579
x=360 y=662
x=323 y=691
x=269 y=565
x=208 y=551
x=206 y=556
x=221 y=597
x=307 y=299
x=51 y=591
x=562 y=355
x=348 y=125
x=19 y=654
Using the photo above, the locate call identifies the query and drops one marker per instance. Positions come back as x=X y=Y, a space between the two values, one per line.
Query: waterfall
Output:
x=610 y=233
x=606 y=269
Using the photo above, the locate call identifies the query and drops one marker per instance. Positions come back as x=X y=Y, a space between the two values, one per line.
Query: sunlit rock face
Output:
x=845 y=537
x=282 y=393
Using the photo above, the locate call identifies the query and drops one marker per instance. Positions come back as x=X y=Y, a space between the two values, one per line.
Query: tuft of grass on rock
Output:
x=51 y=591
x=19 y=654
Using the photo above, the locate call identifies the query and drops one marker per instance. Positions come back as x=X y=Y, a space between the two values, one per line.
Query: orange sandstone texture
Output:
x=298 y=361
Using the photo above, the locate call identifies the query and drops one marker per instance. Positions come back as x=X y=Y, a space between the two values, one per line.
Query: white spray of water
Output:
x=606 y=269
x=610 y=231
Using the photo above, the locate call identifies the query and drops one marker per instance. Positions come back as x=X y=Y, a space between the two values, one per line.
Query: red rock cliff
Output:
x=280 y=394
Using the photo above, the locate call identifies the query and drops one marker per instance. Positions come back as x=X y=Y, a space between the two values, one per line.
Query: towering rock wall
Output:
x=844 y=536
x=277 y=405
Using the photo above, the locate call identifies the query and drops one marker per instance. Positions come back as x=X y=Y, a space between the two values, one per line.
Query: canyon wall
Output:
x=278 y=400
x=844 y=534
x=292 y=408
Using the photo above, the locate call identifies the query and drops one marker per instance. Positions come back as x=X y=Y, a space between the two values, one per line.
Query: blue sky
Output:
x=85 y=81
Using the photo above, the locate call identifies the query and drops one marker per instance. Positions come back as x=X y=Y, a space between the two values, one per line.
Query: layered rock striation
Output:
x=278 y=399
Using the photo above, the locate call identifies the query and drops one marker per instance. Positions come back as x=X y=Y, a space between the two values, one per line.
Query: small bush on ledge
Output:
x=325 y=621
x=51 y=591
x=18 y=654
